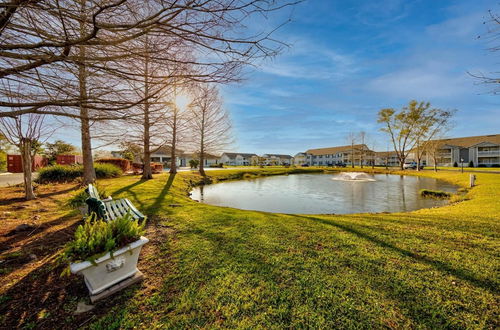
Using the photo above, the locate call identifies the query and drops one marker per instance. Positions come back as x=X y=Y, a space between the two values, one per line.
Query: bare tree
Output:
x=209 y=122
x=433 y=151
x=65 y=55
x=177 y=125
x=352 y=141
x=362 y=151
x=25 y=132
x=492 y=22
x=407 y=128
x=435 y=123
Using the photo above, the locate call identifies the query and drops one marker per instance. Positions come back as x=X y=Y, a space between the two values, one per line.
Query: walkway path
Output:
x=10 y=179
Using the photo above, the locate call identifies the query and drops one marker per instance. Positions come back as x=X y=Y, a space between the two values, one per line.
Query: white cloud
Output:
x=421 y=84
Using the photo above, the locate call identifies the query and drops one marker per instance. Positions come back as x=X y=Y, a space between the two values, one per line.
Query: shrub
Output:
x=104 y=170
x=434 y=193
x=122 y=163
x=455 y=164
x=471 y=164
x=65 y=173
x=193 y=163
x=95 y=237
x=59 y=173
x=217 y=165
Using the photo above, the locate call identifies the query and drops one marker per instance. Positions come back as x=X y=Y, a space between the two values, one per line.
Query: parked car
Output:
x=412 y=165
x=305 y=165
x=340 y=165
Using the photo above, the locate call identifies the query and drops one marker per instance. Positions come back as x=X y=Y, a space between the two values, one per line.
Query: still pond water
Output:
x=324 y=193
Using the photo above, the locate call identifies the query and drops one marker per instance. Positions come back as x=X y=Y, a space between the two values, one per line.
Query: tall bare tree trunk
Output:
x=352 y=154
x=202 y=145
x=173 y=158
x=88 y=162
x=25 y=148
x=147 y=172
x=202 y=160
x=418 y=155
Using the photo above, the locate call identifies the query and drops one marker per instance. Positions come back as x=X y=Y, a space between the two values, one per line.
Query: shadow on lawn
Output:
x=153 y=209
x=45 y=299
x=439 y=265
x=130 y=186
x=15 y=200
x=17 y=237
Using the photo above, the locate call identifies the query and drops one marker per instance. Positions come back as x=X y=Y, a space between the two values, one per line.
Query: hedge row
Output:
x=65 y=173
x=122 y=163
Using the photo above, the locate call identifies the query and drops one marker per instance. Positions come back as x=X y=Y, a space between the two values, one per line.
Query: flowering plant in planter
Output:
x=105 y=253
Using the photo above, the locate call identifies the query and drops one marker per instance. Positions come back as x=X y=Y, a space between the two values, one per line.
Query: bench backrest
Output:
x=119 y=207
x=92 y=191
x=112 y=209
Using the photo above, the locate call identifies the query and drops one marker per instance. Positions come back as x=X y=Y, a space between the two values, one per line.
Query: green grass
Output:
x=433 y=268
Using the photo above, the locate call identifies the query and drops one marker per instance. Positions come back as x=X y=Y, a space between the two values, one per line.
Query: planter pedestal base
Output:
x=138 y=276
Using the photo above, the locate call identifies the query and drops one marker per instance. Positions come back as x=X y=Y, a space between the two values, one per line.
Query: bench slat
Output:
x=137 y=213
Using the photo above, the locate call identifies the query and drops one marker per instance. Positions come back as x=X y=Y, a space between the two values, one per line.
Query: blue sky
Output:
x=349 y=59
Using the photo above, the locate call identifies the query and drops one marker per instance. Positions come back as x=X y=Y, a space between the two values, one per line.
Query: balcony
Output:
x=444 y=155
x=489 y=161
x=488 y=153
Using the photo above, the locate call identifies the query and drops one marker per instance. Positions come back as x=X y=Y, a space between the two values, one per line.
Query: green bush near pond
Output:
x=434 y=193
x=66 y=173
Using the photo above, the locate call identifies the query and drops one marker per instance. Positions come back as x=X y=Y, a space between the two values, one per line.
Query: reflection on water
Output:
x=317 y=193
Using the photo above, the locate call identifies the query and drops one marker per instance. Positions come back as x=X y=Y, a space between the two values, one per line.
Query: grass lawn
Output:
x=210 y=266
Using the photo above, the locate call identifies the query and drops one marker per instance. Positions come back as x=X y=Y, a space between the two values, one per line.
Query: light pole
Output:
x=462 y=161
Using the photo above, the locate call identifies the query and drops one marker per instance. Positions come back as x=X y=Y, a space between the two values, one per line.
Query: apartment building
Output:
x=236 y=159
x=482 y=151
x=386 y=158
x=300 y=159
x=357 y=154
x=277 y=159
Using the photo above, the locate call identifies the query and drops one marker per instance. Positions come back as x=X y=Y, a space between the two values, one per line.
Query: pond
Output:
x=324 y=193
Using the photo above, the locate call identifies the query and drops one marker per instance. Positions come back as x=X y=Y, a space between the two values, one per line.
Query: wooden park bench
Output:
x=110 y=209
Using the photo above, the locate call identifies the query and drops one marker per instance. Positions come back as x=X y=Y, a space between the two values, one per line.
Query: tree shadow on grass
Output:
x=15 y=200
x=16 y=237
x=130 y=186
x=439 y=265
x=153 y=209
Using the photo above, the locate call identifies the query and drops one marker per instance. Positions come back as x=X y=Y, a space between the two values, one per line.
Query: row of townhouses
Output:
x=236 y=159
x=482 y=151
x=479 y=150
x=163 y=155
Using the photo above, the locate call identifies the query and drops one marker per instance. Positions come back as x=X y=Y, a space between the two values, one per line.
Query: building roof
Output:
x=196 y=155
x=278 y=156
x=234 y=154
x=470 y=141
x=334 y=150
x=164 y=150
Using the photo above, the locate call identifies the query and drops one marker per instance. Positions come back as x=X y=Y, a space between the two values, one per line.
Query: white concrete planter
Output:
x=110 y=271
